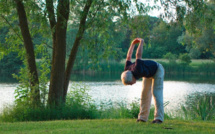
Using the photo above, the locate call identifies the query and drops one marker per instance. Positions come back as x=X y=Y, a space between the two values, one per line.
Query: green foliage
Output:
x=199 y=45
x=79 y=105
x=177 y=68
x=207 y=68
x=22 y=91
x=78 y=95
x=120 y=110
x=199 y=24
x=185 y=59
x=194 y=53
x=44 y=72
x=9 y=64
x=1 y=55
x=199 y=106
x=141 y=26
x=163 y=39
x=9 y=60
x=170 y=57
x=172 y=66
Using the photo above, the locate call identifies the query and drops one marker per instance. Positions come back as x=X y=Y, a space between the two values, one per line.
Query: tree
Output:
x=163 y=39
x=30 y=56
x=198 y=19
x=199 y=36
x=84 y=13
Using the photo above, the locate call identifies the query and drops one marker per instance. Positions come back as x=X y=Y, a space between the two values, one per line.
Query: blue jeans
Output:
x=152 y=87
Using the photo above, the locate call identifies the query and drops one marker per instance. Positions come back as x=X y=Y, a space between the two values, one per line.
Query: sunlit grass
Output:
x=107 y=126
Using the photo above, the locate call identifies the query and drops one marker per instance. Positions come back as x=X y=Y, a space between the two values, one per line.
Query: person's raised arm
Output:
x=139 y=51
x=131 y=49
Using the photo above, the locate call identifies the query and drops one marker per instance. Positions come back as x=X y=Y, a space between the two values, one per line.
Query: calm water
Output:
x=175 y=90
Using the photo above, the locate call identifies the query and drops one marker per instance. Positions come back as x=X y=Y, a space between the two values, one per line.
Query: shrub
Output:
x=79 y=105
x=171 y=57
x=199 y=106
x=194 y=53
x=185 y=59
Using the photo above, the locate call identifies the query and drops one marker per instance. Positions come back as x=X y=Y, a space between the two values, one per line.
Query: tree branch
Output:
x=12 y=28
x=76 y=44
x=30 y=56
x=94 y=14
x=51 y=14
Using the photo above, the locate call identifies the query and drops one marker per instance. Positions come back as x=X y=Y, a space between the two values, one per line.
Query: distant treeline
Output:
x=162 y=40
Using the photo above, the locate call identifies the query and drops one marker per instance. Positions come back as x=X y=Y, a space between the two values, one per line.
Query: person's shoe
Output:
x=157 y=121
x=140 y=120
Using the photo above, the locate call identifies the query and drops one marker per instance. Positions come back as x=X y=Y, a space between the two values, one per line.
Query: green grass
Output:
x=194 y=61
x=108 y=126
x=195 y=67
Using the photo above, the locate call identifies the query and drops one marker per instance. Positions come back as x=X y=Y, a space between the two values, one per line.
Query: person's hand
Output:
x=140 y=39
x=137 y=40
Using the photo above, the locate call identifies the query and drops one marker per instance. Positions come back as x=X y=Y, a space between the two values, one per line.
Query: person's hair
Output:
x=126 y=77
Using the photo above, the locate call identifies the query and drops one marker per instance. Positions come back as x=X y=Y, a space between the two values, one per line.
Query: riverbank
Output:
x=106 y=126
x=202 y=67
x=111 y=71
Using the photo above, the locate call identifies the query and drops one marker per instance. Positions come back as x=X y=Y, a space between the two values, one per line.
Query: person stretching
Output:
x=153 y=77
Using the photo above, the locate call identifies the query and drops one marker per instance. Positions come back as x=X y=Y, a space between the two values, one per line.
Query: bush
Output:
x=171 y=57
x=185 y=59
x=199 y=106
x=79 y=105
x=10 y=64
x=194 y=53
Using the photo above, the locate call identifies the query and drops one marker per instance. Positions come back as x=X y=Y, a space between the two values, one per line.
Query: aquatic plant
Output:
x=199 y=106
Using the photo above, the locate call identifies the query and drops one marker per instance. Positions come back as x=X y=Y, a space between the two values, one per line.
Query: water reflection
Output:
x=196 y=78
x=106 y=87
x=174 y=91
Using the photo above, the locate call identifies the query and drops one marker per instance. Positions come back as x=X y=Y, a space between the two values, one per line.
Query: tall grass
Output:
x=110 y=110
x=80 y=105
x=170 y=68
x=199 y=106
x=208 y=68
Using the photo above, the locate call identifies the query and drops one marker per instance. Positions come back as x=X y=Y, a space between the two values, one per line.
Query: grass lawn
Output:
x=108 y=126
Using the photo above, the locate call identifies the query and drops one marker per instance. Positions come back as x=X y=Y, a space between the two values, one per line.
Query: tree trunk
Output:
x=75 y=47
x=52 y=21
x=59 y=54
x=34 y=81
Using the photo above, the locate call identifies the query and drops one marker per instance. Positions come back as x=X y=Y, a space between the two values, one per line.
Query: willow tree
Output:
x=85 y=13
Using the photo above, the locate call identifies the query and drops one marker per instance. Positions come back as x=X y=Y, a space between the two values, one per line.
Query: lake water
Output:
x=175 y=90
